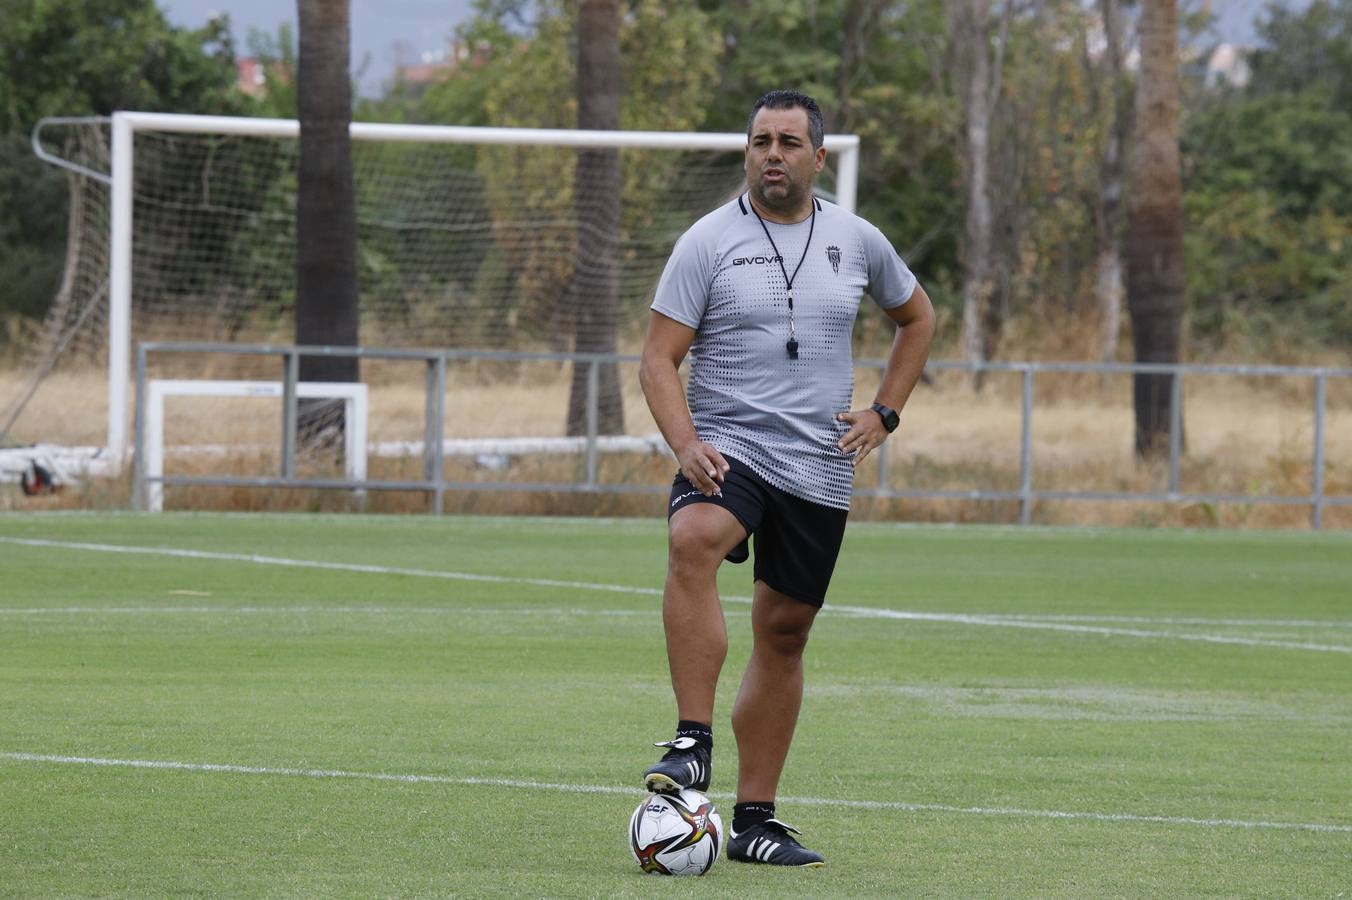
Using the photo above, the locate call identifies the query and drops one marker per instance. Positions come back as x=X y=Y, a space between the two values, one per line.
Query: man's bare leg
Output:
x=771 y=694
x=701 y=534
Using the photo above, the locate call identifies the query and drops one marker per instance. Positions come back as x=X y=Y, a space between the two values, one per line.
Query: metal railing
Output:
x=1026 y=495
x=435 y=484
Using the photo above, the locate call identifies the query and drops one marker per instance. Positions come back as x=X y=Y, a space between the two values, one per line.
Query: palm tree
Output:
x=326 y=217
x=596 y=199
x=1154 y=239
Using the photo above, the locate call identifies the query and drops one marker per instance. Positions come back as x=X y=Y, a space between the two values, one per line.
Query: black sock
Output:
x=744 y=815
x=697 y=730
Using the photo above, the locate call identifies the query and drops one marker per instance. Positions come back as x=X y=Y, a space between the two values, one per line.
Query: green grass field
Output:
x=361 y=706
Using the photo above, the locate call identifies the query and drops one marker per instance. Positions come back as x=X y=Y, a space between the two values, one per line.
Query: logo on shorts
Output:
x=833 y=254
x=684 y=496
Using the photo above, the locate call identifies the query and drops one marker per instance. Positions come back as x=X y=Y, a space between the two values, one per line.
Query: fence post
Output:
x=593 y=415
x=434 y=418
x=1175 y=428
x=1317 y=479
x=1026 y=450
x=290 y=377
x=138 y=465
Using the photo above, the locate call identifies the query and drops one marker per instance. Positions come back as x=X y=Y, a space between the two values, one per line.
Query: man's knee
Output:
x=783 y=625
x=699 y=538
x=785 y=639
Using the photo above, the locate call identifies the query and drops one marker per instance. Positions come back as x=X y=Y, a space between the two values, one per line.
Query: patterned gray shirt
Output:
x=748 y=399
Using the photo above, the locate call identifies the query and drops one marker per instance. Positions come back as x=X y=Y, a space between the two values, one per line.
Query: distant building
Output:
x=438 y=65
x=1221 y=65
x=1228 y=65
x=250 y=77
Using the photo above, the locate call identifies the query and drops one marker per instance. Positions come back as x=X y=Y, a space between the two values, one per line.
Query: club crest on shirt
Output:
x=833 y=254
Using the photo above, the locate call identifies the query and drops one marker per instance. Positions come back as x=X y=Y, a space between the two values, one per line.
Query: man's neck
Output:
x=799 y=213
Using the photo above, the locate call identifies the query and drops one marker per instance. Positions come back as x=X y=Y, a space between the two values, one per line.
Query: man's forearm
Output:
x=666 y=401
x=905 y=363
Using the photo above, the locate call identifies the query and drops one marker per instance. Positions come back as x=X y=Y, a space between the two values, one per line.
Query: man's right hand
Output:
x=704 y=467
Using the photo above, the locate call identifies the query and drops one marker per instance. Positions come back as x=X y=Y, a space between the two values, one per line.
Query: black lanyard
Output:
x=792 y=345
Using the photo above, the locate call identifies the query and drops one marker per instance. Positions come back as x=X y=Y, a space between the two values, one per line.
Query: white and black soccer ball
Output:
x=676 y=834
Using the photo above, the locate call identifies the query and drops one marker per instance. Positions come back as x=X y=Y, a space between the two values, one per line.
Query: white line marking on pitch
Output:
x=864 y=611
x=1176 y=620
x=328 y=610
x=611 y=789
x=879 y=613
x=330 y=566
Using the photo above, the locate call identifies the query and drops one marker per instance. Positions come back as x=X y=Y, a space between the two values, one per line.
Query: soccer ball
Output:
x=676 y=834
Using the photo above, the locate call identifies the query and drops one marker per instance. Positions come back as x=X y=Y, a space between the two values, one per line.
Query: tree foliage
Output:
x=878 y=68
x=1267 y=166
x=1153 y=247
x=91 y=57
x=1269 y=201
x=529 y=80
x=83 y=58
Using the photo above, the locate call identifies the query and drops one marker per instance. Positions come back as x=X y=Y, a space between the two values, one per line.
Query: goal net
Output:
x=183 y=228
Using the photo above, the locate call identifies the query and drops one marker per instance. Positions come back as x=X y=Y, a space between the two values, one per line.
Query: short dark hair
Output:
x=791 y=100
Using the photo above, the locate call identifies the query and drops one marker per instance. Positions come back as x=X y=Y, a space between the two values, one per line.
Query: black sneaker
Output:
x=685 y=765
x=771 y=842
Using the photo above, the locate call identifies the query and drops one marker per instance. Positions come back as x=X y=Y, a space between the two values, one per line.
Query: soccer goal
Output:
x=183 y=229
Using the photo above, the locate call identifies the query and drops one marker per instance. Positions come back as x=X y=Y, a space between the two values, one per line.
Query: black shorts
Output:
x=797 y=541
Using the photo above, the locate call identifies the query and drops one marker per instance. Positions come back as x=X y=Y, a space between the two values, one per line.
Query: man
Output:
x=762 y=293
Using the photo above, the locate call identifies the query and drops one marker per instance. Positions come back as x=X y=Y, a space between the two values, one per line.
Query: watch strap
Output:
x=889 y=416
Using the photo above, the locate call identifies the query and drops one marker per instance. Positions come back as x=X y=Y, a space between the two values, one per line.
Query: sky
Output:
x=1235 y=17
x=386 y=33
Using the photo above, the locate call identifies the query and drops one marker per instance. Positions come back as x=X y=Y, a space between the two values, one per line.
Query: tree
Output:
x=596 y=201
x=86 y=57
x=1306 y=49
x=862 y=18
x=978 y=80
x=1268 y=176
x=326 y=218
x=277 y=55
x=877 y=67
x=527 y=76
x=92 y=57
x=1154 y=241
x=1108 y=218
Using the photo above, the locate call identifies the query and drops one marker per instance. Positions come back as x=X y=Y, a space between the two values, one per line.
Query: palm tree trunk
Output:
x=1154 y=245
x=326 y=218
x=596 y=199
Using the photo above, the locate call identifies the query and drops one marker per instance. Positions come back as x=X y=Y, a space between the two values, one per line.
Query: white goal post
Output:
x=126 y=125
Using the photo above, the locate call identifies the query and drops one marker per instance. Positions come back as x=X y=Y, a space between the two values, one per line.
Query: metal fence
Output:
x=433 y=446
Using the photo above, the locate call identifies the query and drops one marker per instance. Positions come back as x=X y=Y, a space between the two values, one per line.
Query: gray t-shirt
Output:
x=748 y=399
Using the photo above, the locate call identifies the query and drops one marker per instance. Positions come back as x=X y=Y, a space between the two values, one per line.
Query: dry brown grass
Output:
x=1244 y=436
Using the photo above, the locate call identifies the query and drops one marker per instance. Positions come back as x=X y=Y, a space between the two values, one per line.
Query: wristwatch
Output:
x=889 y=416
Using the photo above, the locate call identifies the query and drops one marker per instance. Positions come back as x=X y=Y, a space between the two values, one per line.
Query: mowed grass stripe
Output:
x=836 y=608
x=900 y=806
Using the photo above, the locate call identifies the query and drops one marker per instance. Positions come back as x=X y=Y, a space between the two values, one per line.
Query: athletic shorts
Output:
x=797 y=541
